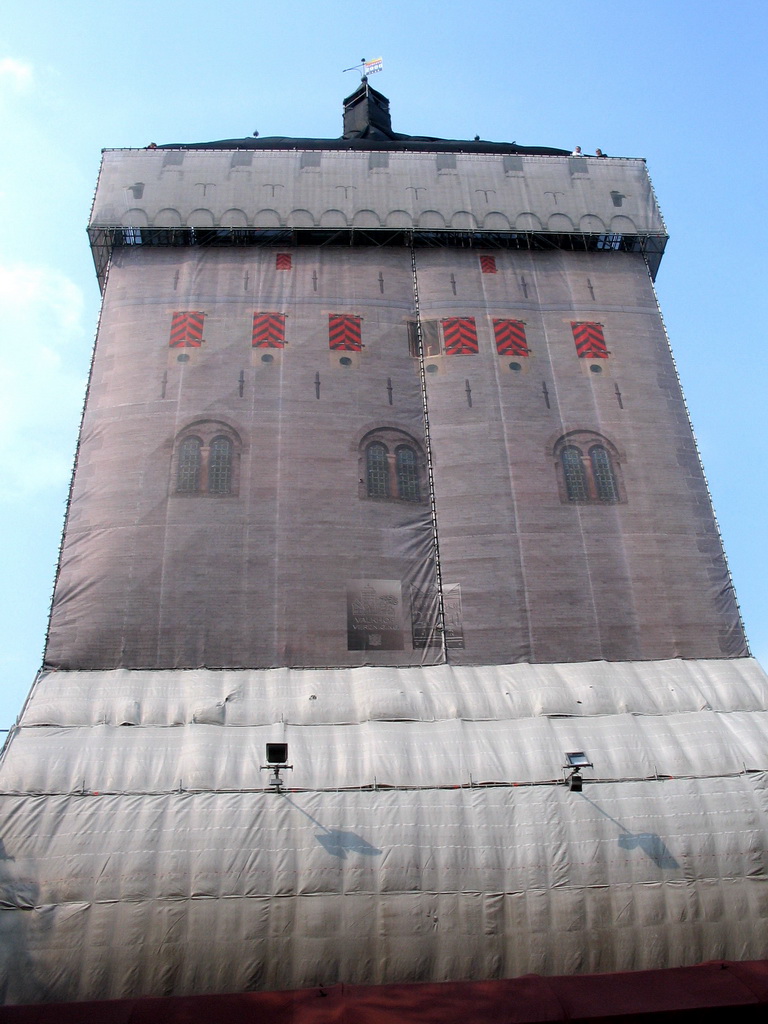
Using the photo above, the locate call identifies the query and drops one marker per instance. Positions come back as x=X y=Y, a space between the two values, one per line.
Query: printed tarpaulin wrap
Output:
x=265 y=498
x=223 y=511
x=623 y=562
x=433 y=580
x=610 y=201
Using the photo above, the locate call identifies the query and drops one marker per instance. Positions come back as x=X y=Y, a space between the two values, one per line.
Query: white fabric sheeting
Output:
x=122 y=881
x=499 y=692
x=226 y=892
x=402 y=754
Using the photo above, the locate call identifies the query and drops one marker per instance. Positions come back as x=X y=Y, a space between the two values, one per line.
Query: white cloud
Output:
x=16 y=74
x=41 y=379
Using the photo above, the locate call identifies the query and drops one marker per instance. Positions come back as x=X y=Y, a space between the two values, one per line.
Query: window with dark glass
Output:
x=188 y=472
x=206 y=459
x=575 y=477
x=377 y=470
x=407 y=470
x=588 y=468
x=413 y=337
x=430 y=338
x=392 y=465
x=602 y=474
x=220 y=466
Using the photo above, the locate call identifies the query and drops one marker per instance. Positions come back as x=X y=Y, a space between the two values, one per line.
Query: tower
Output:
x=384 y=457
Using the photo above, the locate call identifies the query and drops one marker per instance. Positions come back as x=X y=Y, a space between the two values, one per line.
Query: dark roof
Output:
x=367 y=126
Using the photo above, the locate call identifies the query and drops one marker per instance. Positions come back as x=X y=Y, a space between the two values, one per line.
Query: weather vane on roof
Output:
x=367 y=67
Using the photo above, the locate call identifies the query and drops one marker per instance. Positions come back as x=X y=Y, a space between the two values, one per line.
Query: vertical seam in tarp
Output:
x=428 y=448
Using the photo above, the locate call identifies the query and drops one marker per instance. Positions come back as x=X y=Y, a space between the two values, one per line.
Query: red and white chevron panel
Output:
x=589 y=339
x=510 y=338
x=283 y=261
x=488 y=264
x=187 y=330
x=344 y=332
x=460 y=335
x=268 y=330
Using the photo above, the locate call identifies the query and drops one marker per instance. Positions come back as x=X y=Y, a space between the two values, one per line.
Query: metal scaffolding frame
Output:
x=105 y=239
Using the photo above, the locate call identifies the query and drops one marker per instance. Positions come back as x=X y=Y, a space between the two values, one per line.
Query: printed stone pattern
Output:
x=259 y=576
x=204 y=189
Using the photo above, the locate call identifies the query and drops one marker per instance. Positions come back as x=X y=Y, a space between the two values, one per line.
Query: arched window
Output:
x=407 y=470
x=377 y=470
x=220 y=466
x=206 y=459
x=602 y=474
x=188 y=469
x=392 y=465
x=588 y=469
x=575 y=477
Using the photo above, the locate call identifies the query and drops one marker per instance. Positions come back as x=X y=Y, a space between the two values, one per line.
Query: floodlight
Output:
x=277 y=753
x=277 y=761
x=578 y=759
x=575 y=762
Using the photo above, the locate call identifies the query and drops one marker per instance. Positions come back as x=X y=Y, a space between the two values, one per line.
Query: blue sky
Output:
x=683 y=85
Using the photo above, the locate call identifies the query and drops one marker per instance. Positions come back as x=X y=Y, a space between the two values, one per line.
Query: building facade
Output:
x=384 y=456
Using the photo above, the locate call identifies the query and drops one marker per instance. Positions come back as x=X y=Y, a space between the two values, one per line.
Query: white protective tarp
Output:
x=355 y=728
x=143 y=853
x=114 y=896
x=344 y=695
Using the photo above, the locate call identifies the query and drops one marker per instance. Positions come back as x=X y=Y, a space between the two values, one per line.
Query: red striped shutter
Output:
x=268 y=330
x=510 y=338
x=460 y=336
x=589 y=339
x=187 y=330
x=344 y=332
x=283 y=261
x=488 y=264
